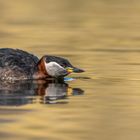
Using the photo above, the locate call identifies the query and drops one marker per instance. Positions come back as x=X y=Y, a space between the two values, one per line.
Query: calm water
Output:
x=100 y=36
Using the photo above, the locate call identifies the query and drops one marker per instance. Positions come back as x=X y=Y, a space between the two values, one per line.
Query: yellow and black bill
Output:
x=74 y=69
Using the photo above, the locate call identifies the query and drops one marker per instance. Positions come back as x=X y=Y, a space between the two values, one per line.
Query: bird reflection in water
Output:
x=28 y=92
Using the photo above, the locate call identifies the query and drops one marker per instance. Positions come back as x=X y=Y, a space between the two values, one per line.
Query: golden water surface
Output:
x=100 y=36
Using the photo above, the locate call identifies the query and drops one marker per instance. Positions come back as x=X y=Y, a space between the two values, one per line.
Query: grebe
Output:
x=16 y=64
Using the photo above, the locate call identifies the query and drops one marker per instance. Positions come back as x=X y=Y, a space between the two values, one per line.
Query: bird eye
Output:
x=63 y=65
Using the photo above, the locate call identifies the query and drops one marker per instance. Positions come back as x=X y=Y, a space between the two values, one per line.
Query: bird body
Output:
x=16 y=64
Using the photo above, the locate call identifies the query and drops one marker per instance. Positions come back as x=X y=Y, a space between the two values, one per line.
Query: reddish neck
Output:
x=41 y=72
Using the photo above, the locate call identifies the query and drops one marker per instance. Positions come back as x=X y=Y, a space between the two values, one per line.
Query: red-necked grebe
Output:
x=16 y=64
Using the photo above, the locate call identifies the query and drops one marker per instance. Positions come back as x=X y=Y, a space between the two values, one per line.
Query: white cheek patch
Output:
x=54 y=69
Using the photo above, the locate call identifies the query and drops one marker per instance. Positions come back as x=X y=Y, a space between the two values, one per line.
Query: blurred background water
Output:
x=100 y=36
